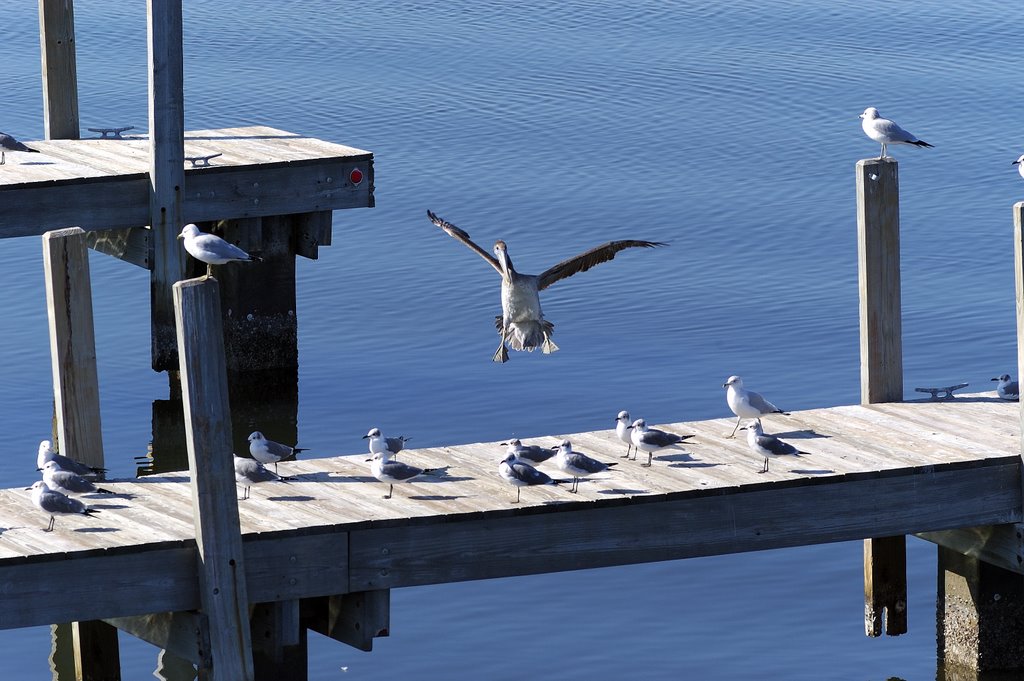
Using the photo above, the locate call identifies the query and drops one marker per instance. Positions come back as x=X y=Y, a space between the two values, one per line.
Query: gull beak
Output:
x=1013 y=163
x=180 y=236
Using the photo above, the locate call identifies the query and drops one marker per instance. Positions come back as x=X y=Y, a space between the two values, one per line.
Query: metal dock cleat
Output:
x=202 y=161
x=111 y=133
x=947 y=392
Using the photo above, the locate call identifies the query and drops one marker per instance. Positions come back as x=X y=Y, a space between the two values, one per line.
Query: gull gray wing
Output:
x=774 y=445
x=462 y=236
x=584 y=261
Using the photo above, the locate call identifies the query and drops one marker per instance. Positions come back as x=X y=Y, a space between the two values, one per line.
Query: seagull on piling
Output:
x=651 y=440
x=521 y=323
x=211 y=249
x=46 y=453
x=68 y=483
x=767 y=446
x=747 y=404
x=267 y=451
x=623 y=428
x=55 y=503
x=576 y=464
x=519 y=473
x=886 y=132
x=379 y=444
x=249 y=472
x=531 y=454
x=1007 y=389
x=387 y=470
x=8 y=143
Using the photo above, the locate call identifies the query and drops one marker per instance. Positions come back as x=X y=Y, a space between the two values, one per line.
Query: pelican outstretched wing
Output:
x=459 y=234
x=584 y=261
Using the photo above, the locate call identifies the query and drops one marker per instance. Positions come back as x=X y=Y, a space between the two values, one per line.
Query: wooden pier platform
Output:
x=105 y=183
x=872 y=470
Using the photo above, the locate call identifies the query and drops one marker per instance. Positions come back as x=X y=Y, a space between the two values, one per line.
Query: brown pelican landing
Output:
x=521 y=323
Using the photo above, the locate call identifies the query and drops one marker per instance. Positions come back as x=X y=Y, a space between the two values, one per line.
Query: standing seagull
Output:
x=531 y=454
x=522 y=324
x=886 y=132
x=651 y=439
x=1007 y=389
x=267 y=451
x=747 y=404
x=624 y=429
x=46 y=453
x=379 y=444
x=8 y=143
x=768 y=446
x=211 y=249
x=576 y=464
x=386 y=470
x=49 y=501
x=67 y=482
x=249 y=472
x=517 y=472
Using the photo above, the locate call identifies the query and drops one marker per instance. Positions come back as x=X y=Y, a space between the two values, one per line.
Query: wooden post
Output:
x=97 y=655
x=214 y=506
x=881 y=369
x=279 y=642
x=73 y=345
x=166 y=172
x=60 y=72
x=354 y=618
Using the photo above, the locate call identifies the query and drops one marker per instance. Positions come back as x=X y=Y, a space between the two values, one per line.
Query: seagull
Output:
x=378 y=443
x=747 y=404
x=389 y=471
x=49 y=501
x=267 y=451
x=66 y=482
x=768 y=446
x=8 y=143
x=1007 y=389
x=651 y=439
x=1020 y=164
x=46 y=453
x=515 y=471
x=250 y=472
x=211 y=249
x=623 y=426
x=531 y=454
x=576 y=464
x=886 y=132
x=521 y=324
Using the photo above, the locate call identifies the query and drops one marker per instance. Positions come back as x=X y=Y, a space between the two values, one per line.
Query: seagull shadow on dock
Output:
x=107 y=507
x=620 y=491
x=96 y=529
x=694 y=464
x=294 y=497
x=812 y=471
x=805 y=434
x=678 y=456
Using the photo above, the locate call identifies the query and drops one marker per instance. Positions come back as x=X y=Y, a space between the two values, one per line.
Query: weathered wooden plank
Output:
x=999 y=545
x=131 y=245
x=586 y=535
x=185 y=634
x=311 y=231
x=59 y=69
x=73 y=345
x=353 y=618
x=204 y=390
x=1018 y=267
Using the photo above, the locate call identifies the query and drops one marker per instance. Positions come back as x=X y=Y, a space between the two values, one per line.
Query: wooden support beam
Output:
x=184 y=634
x=353 y=618
x=166 y=171
x=1018 y=267
x=170 y=667
x=279 y=642
x=97 y=655
x=73 y=345
x=311 y=231
x=222 y=583
x=998 y=545
x=133 y=245
x=60 y=71
x=881 y=369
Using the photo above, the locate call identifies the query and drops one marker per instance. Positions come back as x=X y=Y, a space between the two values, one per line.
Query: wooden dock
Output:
x=881 y=469
x=105 y=184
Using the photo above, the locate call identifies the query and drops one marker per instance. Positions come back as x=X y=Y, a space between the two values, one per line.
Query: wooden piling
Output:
x=215 y=510
x=73 y=345
x=59 y=68
x=279 y=642
x=166 y=171
x=881 y=367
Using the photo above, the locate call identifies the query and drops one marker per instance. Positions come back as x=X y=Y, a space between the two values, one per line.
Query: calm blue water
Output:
x=727 y=129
